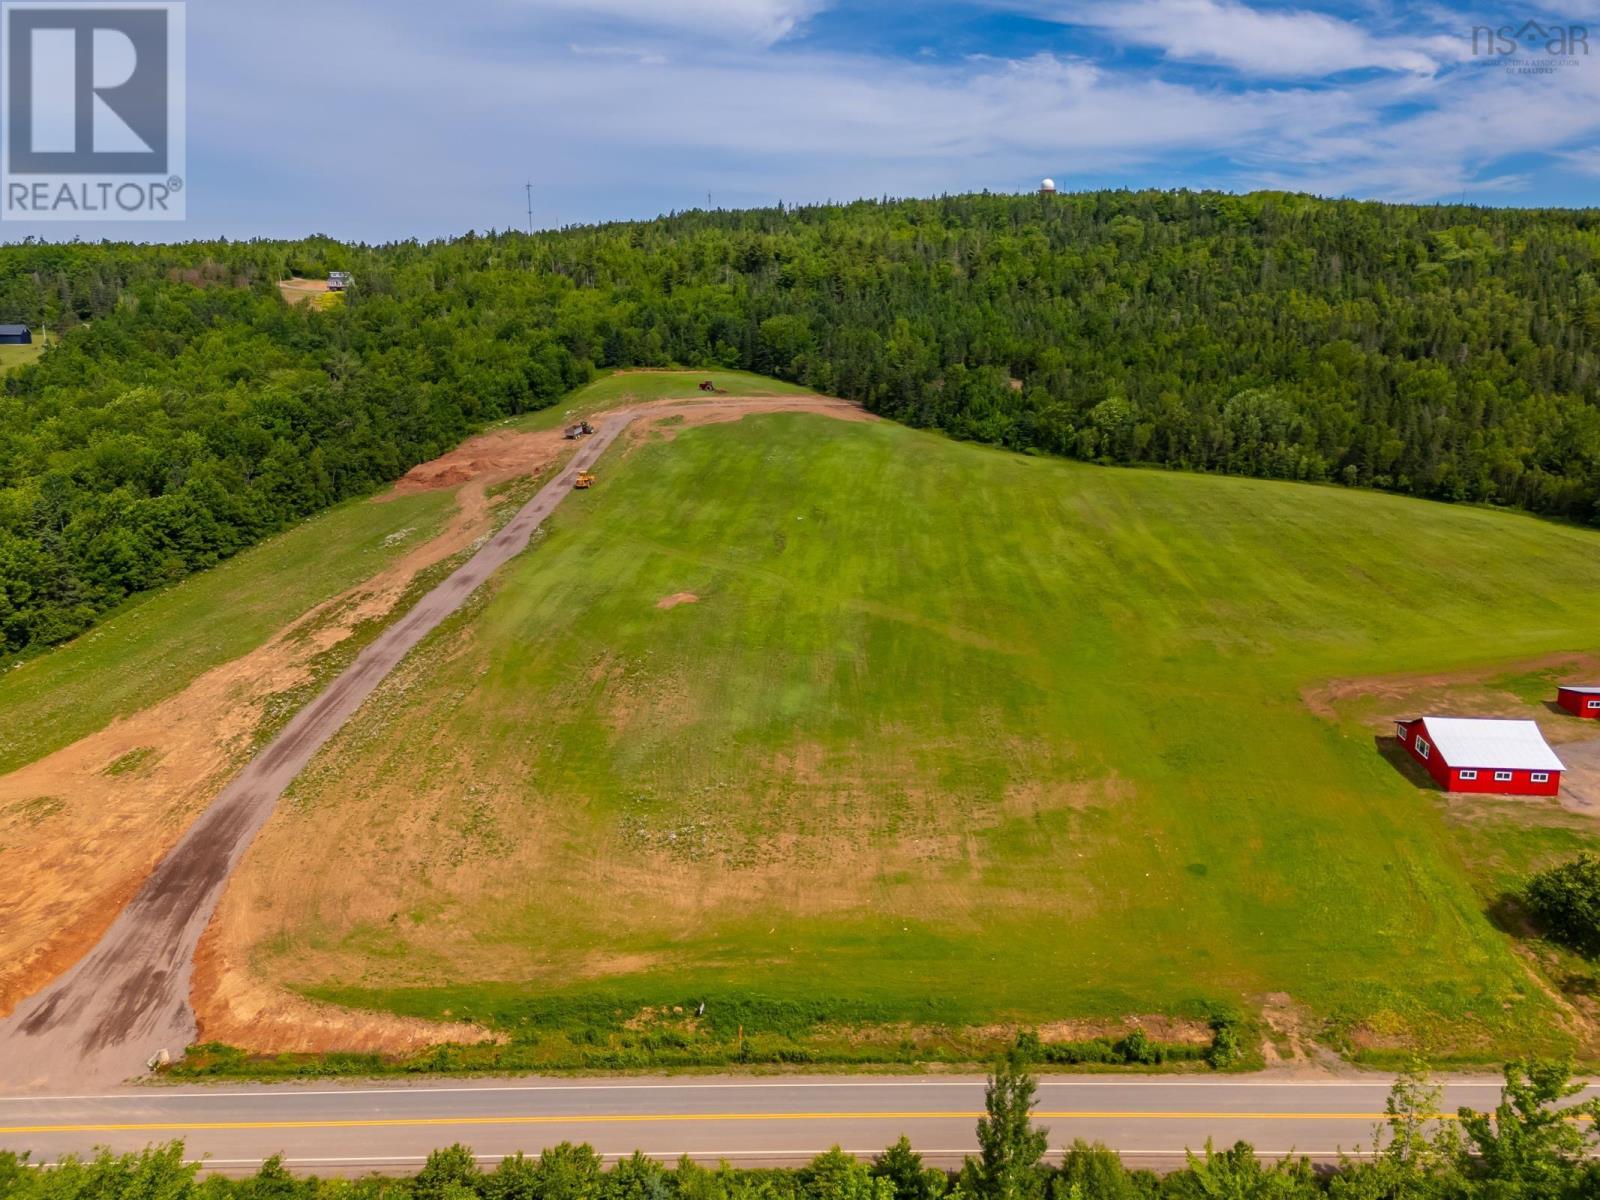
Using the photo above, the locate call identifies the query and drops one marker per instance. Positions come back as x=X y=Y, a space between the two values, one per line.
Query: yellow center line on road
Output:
x=654 y=1118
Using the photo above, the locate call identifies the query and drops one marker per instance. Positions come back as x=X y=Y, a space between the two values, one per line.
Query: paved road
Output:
x=128 y=998
x=355 y=1129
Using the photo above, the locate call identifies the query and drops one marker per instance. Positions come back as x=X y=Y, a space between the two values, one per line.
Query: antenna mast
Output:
x=530 y=209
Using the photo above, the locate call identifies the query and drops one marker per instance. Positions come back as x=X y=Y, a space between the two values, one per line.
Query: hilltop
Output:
x=188 y=411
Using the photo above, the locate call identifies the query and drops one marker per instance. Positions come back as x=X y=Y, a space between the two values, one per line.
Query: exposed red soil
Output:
x=487 y=459
x=1407 y=691
x=236 y=1005
x=73 y=871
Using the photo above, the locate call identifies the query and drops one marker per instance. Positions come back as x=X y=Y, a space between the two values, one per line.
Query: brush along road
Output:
x=128 y=999
x=351 y=1129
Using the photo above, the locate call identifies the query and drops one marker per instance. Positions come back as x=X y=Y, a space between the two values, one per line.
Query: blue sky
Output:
x=381 y=119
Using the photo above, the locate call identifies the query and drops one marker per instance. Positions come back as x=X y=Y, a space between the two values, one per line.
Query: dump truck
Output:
x=581 y=429
x=584 y=481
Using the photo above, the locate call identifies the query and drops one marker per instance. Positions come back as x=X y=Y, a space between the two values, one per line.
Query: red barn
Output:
x=1580 y=701
x=1507 y=758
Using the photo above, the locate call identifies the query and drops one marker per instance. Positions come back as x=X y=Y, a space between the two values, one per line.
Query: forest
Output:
x=184 y=411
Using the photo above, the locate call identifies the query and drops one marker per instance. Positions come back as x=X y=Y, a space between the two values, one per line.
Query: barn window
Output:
x=1594 y=704
x=1541 y=776
x=1422 y=746
x=1400 y=732
x=1469 y=775
x=1502 y=776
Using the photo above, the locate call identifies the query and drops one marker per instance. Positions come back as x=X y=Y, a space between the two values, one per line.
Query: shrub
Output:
x=1138 y=1049
x=902 y=1166
x=1091 y=1170
x=447 y=1174
x=1566 y=902
x=1225 y=1049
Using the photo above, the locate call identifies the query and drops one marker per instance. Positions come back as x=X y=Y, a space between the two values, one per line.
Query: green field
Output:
x=159 y=642
x=16 y=356
x=617 y=388
x=951 y=736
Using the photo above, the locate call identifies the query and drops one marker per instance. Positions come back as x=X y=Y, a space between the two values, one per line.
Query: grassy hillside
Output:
x=157 y=644
x=1443 y=351
x=950 y=735
x=17 y=356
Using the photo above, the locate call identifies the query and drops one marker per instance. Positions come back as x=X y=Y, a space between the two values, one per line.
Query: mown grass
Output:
x=280 y=708
x=952 y=736
x=617 y=388
x=12 y=357
x=157 y=644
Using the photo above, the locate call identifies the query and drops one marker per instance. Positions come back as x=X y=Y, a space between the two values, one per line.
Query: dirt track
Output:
x=129 y=998
x=69 y=875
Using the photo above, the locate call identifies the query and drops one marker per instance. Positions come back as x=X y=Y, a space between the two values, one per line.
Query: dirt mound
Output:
x=676 y=599
x=488 y=458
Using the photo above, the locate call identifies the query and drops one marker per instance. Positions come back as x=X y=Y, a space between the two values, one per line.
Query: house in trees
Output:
x=15 y=335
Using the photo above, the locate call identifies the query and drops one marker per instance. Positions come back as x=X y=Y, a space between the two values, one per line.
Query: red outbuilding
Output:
x=1465 y=754
x=1580 y=701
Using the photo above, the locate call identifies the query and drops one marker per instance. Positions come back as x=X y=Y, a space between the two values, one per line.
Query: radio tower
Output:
x=530 y=210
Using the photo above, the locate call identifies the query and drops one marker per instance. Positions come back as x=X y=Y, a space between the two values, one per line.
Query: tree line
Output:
x=1533 y=1146
x=186 y=412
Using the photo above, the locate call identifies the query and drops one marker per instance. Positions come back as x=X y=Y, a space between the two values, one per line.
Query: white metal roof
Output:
x=1491 y=745
x=1582 y=691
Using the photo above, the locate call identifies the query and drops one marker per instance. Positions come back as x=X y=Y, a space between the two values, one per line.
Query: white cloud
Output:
x=759 y=21
x=430 y=133
x=609 y=139
x=1474 y=119
x=1585 y=161
x=750 y=128
x=646 y=58
x=1277 y=43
